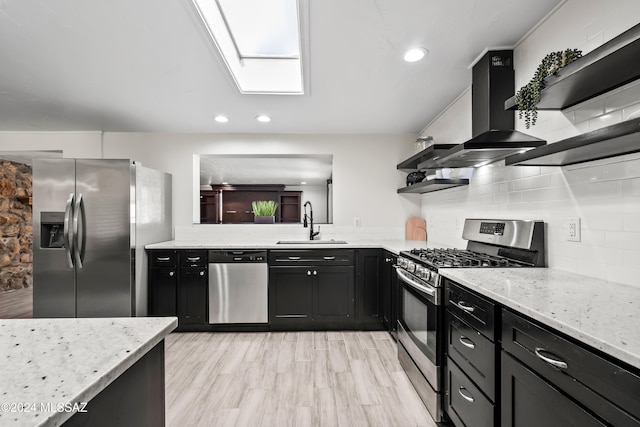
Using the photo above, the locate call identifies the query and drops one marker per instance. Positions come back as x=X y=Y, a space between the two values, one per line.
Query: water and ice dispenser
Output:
x=52 y=229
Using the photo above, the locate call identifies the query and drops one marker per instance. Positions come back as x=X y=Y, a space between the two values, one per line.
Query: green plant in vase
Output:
x=264 y=208
x=528 y=96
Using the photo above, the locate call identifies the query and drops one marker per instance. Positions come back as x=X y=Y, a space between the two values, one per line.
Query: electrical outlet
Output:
x=573 y=229
x=356 y=222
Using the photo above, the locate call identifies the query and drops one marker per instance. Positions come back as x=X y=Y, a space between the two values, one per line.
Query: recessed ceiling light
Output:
x=415 y=55
x=225 y=183
x=221 y=119
x=263 y=118
x=303 y=182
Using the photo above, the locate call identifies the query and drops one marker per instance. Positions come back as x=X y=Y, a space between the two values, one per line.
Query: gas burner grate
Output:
x=462 y=258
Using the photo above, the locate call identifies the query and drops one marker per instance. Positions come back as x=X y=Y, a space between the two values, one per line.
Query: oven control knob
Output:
x=419 y=271
x=426 y=274
x=401 y=262
x=411 y=266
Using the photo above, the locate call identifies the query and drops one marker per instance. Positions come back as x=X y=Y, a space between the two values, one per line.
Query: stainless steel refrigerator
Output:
x=91 y=220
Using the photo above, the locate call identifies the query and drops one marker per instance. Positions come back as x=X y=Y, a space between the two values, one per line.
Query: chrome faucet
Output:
x=306 y=217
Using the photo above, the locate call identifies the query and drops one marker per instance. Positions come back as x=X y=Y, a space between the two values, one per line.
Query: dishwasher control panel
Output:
x=233 y=256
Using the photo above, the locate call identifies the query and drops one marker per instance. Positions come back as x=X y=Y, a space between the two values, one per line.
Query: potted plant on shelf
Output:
x=528 y=96
x=264 y=211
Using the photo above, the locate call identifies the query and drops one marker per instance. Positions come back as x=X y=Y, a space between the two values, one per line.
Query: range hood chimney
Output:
x=494 y=137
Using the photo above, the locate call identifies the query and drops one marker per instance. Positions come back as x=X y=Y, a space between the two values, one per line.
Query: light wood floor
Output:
x=283 y=379
x=16 y=304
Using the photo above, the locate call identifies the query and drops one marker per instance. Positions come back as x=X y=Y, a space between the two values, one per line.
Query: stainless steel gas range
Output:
x=491 y=243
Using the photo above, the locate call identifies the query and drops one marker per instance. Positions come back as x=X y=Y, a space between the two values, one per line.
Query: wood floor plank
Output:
x=288 y=379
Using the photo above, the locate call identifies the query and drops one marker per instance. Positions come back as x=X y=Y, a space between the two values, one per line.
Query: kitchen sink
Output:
x=310 y=242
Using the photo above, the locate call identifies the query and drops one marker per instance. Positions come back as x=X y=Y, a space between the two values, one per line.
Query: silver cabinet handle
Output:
x=465 y=306
x=294 y=258
x=171 y=273
x=553 y=362
x=315 y=273
x=467 y=342
x=66 y=230
x=308 y=273
x=237 y=258
x=329 y=258
x=466 y=397
x=163 y=258
x=202 y=273
x=193 y=259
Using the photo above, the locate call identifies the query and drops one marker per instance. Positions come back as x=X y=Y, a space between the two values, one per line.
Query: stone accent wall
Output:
x=16 y=227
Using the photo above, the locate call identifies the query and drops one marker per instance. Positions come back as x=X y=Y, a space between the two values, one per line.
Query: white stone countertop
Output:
x=602 y=314
x=67 y=361
x=394 y=246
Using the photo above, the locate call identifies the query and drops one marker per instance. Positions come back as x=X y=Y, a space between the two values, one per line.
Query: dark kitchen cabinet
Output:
x=192 y=291
x=177 y=284
x=530 y=401
x=311 y=289
x=472 y=354
x=369 y=309
x=163 y=283
x=389 y=293
x=543 y=368
x=290 y=296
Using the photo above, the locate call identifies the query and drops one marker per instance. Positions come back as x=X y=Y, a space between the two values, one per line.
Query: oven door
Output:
x=419 y=315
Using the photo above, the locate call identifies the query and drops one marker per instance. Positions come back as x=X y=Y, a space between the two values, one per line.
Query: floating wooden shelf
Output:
x=608 y=67
x=615 y=140
x=431 y=185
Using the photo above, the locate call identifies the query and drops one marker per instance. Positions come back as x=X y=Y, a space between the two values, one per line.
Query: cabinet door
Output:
x=163 y=291
x=388 y=292
x=529 y=401
x=333 y=295
x=192 y=301
x=369 y=310
x=290 y=296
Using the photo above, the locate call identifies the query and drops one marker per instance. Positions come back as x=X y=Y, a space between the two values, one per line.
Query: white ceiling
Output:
x=147 y=65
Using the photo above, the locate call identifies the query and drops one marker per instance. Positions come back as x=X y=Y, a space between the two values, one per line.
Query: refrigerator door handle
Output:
x=78 y=233
x=67 y=230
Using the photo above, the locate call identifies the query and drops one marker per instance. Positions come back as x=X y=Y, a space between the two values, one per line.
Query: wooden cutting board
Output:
x=415 y=229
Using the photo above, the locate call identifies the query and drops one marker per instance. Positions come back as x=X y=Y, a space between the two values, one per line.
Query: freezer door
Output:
x=104 y=201
x=54 y=287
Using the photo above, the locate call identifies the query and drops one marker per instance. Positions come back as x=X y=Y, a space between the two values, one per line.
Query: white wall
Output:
x=604 y=194
x=72 y=144
x=364 y=177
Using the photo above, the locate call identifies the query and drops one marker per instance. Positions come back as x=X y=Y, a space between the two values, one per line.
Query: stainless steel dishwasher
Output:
x=238 y=284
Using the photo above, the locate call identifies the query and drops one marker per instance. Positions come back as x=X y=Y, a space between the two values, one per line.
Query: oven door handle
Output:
x=419 y=286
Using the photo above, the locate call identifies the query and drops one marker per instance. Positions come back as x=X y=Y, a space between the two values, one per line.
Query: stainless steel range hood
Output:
x=493 y=128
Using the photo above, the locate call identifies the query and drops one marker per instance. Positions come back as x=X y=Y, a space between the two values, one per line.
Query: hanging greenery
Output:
x=528 y=96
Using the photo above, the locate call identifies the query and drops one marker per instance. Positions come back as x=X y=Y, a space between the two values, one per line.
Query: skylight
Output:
x=259 y=41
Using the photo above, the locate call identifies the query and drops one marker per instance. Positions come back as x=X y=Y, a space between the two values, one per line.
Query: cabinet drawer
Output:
x=466 y=405
x=607 y=388
x=473 y=352
x=163 y=258
x=311 y=257
x=193 y=258
x=477 y=311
